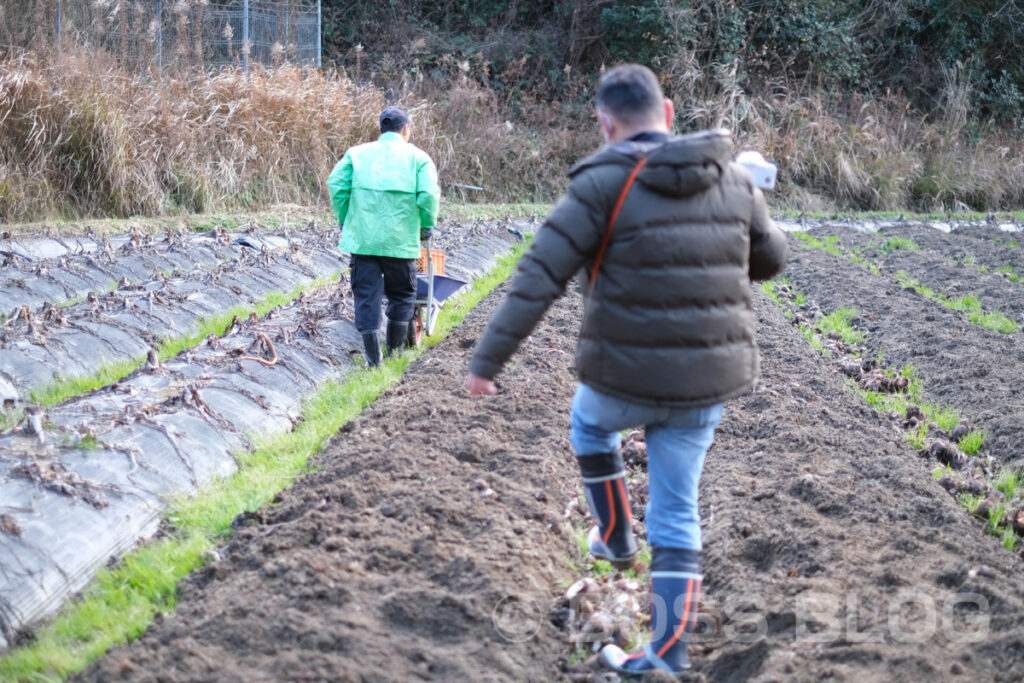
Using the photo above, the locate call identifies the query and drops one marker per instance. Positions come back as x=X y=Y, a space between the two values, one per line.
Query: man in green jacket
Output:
x=386 y=197
x=667 y=332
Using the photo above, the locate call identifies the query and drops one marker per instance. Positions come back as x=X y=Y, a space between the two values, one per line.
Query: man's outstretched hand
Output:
x=480 y=386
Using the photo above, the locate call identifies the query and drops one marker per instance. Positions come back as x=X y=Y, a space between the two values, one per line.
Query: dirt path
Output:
x=832 y=554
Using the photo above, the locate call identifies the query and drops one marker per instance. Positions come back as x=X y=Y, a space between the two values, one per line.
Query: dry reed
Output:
x=80 y=136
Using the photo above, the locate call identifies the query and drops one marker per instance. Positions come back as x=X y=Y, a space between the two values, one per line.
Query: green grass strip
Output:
x=840 y=322
x=945 y=417
x=908 y=216
x=969 y=304
x=121 y=602
x=1010 y=484
x=813 y=339
x=62 y=390
x=829 y=244
x=1011 y=274
x=273 y=219
x=218 y=324
x=971 y=442
x=771 y=289
x=468 y=212
x=768 y=287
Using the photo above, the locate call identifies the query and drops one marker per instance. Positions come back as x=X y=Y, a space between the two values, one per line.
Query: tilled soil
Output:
x=827 y=527
x=954 y=264
x=88 y=479
x=431 y=540
x=975 y=370
x=429 y=529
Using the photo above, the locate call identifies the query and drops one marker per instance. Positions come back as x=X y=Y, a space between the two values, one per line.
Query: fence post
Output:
x=56 y=25
x=159 y=38
x=319 y=34
x=245 y=36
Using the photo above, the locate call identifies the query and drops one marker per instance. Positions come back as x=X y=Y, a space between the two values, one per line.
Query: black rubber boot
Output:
x=675 y=587
x=371 y=344
x=398 y=336
x=604 y=477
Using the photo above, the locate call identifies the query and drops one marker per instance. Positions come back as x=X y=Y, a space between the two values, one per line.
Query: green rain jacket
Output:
x=383 y=192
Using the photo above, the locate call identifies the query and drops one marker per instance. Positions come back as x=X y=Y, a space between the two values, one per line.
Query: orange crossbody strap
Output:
x=611 y=219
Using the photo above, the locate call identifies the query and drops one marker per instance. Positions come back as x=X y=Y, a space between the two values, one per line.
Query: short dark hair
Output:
x=393 y=120
x=631 y=93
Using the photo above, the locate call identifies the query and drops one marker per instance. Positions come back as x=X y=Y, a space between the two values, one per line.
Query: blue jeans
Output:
x=677 y=440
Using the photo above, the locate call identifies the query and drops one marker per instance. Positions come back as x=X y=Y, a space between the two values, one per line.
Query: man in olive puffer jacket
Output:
x=667 y=333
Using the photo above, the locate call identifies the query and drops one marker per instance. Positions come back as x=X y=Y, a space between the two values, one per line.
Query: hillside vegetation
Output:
x=866 y=105
x=912 y=104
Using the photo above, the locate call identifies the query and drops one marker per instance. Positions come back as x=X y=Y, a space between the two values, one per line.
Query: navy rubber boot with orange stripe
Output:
x=604 y=478
x=675 y=588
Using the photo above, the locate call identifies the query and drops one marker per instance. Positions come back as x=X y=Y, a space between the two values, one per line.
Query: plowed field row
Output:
x=831 y=550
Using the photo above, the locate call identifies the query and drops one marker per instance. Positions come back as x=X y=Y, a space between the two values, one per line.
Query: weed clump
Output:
x=896 y=243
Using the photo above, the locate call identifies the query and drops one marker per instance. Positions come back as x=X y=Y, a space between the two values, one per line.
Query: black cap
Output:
x=393 y=119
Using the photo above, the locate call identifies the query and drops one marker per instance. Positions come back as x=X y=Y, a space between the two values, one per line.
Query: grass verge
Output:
x=282 y=217
x=467 y=212
x=122 y=601
x=908 y=216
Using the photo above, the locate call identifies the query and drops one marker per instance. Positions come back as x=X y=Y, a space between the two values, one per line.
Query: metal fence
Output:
x=162 y=34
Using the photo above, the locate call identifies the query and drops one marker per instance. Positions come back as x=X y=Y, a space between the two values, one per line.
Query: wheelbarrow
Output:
x=433 y=288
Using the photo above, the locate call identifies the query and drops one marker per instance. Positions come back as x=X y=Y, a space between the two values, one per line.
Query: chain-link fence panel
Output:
x=168 y=34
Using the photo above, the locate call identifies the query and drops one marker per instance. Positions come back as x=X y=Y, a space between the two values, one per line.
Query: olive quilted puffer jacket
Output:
x=669 y=320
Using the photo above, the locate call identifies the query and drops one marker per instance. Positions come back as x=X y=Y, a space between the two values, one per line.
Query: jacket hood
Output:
x=679 y=167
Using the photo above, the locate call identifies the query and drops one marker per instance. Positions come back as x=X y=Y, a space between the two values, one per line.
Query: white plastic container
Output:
x=763 y=171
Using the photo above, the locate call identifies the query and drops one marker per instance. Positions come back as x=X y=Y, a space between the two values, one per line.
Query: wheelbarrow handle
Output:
x=430 y=287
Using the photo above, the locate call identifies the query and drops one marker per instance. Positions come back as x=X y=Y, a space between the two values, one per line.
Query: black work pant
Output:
x=375 y=276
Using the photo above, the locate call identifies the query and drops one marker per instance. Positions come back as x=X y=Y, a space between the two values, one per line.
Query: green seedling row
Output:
x=969 y=304
x=945 y=417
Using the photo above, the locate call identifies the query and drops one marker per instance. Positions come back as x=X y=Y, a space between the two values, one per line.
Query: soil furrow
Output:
x=827 y=534
x=954 y=265
x=975 y=370
x=429 y=516
x=828 y=543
